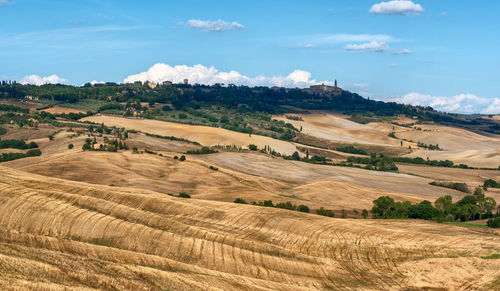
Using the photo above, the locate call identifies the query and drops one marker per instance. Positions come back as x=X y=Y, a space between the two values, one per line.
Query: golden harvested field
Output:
x=205 y=135
x=58 y=234
x=251 y=176
x=61 y=110
x=338 y=128
x=460 y=146
x=96 y=220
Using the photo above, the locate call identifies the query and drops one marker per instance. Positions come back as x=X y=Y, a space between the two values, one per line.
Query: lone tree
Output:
x=382 y=206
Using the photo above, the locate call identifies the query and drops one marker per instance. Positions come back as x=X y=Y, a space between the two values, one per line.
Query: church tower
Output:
x=335 y=82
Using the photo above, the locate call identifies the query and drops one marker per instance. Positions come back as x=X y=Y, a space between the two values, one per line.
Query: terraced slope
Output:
x=56 y=234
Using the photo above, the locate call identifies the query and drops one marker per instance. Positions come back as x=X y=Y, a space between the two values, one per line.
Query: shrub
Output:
x=70 y=146
x=176 y=157
x=343 y=213
x=182 y=158
x=364 y=213
x=267 y=203
x=490 y=183
x=469 y=199
x=5 y=157
x=316 y=158
x=17 y=144
x=182 y=116
x=111 y=106
x=252 y=147
x=213 y=168
x=184 y=195
x=86 y=147
x=352 y=150
x=478 y=192
x=302 y=208
x=444 y=204
x=424 y=210
x=286 y=205
x=325 y=212
x=240 y=201
x=293 y=117
x=462 y=187
x=494 y=222
x=288 y=135
x=202 y=151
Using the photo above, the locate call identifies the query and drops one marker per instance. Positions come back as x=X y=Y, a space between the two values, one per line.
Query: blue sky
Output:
x=441 y=53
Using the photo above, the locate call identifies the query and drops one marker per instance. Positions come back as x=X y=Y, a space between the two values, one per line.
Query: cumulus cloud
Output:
x=5 y=2
x=396 y=7
x=38 y=80
x=93 y=82
x=214 y=26
x=373 y=46
x=402 y=52
x=462 y=103
x=302 y=45
x=209 y=75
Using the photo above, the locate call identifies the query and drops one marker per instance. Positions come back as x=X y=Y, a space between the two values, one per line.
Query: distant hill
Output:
x=262 y=99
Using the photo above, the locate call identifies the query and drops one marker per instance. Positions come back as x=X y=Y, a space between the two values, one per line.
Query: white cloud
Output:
x=209 y=75
x=462 y=103
x=444 y=13
x=5 y=2
x=38 y=80
x=346 y=37
x=396 y=7
x=373 y=46
x=394 y=65
x=302 y=45
x=214 y=26
x=93 y=82
x=402 y=52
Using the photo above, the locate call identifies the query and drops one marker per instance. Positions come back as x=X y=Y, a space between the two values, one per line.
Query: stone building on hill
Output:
x=323 y=89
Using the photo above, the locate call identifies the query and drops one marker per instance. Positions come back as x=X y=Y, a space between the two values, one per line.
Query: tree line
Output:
x=470 y=207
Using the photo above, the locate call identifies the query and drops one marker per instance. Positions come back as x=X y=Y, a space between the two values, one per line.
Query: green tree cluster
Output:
x=470 y=207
